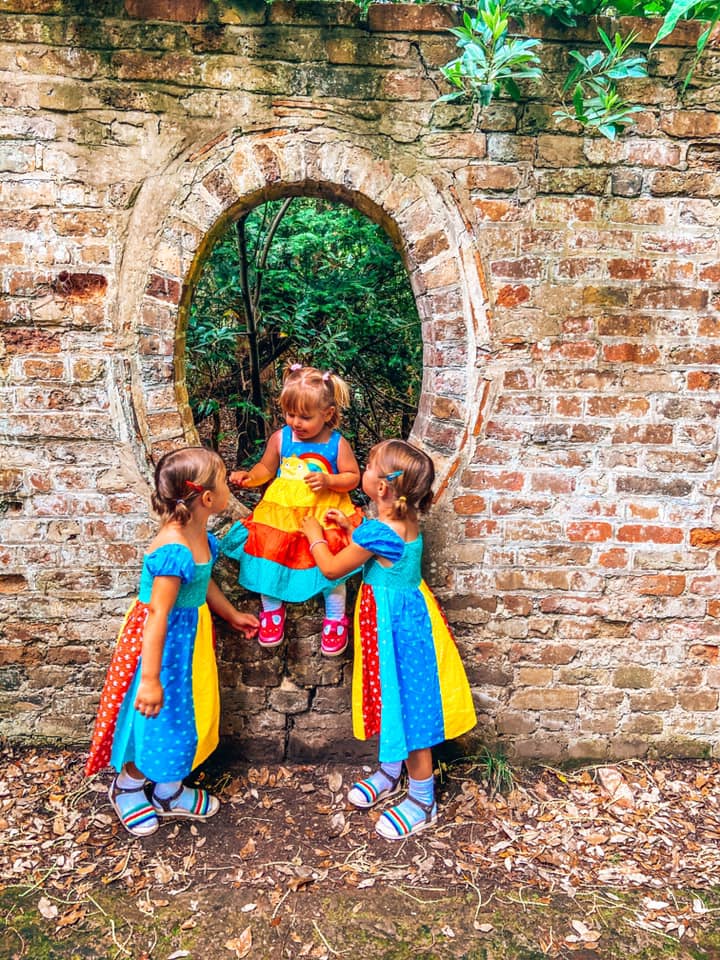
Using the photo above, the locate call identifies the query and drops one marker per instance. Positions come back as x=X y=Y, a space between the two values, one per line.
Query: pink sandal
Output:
x=272 y=627
x=334 y=636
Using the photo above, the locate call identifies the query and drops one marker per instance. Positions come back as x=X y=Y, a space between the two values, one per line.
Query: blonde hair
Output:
x=410 y=473
x=182 y=476
x=307 y=389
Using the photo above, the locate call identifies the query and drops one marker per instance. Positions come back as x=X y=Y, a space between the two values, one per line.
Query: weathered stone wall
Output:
x=568 y=288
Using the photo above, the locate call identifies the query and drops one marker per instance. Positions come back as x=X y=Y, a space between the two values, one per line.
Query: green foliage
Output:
x=564 y=11
x=690 y=10
x=490 y=60
x=333 y=293
x=593 y=81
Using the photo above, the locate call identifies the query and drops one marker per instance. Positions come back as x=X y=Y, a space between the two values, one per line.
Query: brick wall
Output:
x=568 y=288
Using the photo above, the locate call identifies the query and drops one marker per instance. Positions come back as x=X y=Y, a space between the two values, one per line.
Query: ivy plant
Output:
x=490 y=60
x=593 y=81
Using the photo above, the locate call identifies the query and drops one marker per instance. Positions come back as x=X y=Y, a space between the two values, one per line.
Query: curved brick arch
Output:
x=216 y=182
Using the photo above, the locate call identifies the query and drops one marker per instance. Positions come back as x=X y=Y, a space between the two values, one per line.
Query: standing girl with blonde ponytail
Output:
x=409 y=685
x=160 y=706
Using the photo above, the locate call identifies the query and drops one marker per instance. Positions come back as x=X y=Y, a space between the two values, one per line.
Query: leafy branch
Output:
x=490 y=60
x=593 y=80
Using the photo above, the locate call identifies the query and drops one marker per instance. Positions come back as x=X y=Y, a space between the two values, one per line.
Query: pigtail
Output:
x=340 y=390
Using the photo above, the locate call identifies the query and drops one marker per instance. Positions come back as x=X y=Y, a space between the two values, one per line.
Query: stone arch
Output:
x=210 y=185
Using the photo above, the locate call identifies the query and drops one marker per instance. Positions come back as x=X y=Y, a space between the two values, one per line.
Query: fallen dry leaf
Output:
x=241 y=945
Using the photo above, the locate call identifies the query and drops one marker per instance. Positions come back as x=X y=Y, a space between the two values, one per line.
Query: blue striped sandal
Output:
x=365 y=794
x=198 y=804
x=394 y=824
x=139 y=819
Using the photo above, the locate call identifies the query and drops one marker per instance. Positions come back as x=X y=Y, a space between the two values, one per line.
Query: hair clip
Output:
x=402 y=499
x=295 y=367
x=394 y=475
x=326 y=376
x=197 y=487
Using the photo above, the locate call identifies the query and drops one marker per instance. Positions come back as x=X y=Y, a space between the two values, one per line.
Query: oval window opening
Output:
x=301 y=280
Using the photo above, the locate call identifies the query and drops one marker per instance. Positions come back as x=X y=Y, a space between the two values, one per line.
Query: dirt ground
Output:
x=605 y=862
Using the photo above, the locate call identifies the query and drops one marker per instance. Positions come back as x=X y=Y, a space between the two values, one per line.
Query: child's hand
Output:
x=238 y=477
x=149 y=699
x=312 y=529
x=244 y=623
x=317 y=481
x=339 y=519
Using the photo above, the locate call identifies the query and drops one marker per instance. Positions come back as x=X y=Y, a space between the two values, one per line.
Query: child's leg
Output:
x=335 y=625
x=272 y=622
x=419 y=809
x=130 y=803
x=172 y=799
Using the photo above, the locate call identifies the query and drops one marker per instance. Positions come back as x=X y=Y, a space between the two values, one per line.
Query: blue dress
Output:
x=185 y=732
x=409 y=684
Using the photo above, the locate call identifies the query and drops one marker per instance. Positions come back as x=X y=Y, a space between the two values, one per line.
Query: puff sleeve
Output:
x=171 y=560
x=380 y=539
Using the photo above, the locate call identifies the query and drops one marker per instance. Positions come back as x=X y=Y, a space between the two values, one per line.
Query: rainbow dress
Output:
x=185 y=732
x=270 y=546
x=409 y=684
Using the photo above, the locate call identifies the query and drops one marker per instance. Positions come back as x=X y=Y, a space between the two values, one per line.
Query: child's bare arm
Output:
x=242 y=622
x=264 y=470
x=333 y=565
x=150 y=694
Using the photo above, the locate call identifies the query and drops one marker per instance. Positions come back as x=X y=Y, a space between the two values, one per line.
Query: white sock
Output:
x=163 y=791
x=126 y=782
x=270 y=603
x=335 y=603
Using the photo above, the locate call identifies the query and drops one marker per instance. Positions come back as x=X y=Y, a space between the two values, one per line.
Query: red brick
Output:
x=641 y=511
x=568 y=406
x=477 y=529
x=624 y=325
x=630 y=269
x=566 y=211
x=671 y=298
x=497 y=210
x=636 y=533
x=518 y=379
x=511 y=296
x=181 y=11
x=704 y=537
x=690 y=123
x=617 y=406
x=630 y=353
x=710 y=273
x=660 y=433
x=526 y=268
x=615 y=559
x=662 y=585
x=163 y=288
x=484 y=480
x=469 y=505
x=30 y=340
x=589 y=531
x=705 y=586
x=704 y=651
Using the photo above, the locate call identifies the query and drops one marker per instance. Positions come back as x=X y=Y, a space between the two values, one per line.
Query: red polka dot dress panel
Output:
x=119 y=676
x=371 y=700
